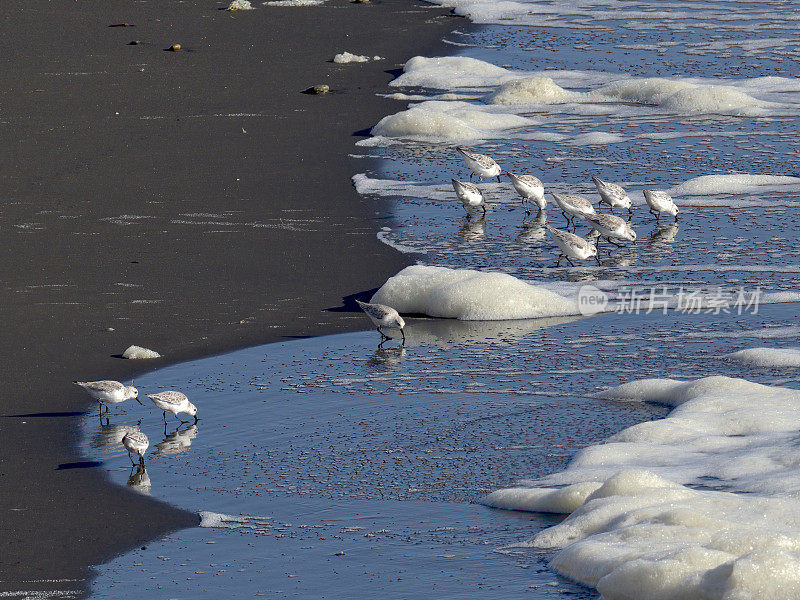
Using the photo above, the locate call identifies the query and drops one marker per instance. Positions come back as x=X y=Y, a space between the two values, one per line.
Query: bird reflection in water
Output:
x=108 y=437
x=387 y=356
x=472 y=231
x=176 y=442
x=665 y=234
x=139 y=480
x=533 y=229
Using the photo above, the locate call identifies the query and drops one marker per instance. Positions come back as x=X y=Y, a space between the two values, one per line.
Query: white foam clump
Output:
x=347 y=57
x=596 y=138
x=638 y=530
x=470 y=295
x=684 y=96
x=530 y=90
x=240 y=5
x=294 y=2
x=437 y=120
x=767 y=357
x=137 y=352
x=449 y=72
x=736 y=183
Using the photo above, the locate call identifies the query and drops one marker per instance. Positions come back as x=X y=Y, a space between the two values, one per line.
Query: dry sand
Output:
x=193 y=201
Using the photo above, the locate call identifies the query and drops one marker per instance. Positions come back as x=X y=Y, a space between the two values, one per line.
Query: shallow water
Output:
x=332 y=445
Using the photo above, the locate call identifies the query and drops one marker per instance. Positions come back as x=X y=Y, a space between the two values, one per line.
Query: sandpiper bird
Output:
x=612 y=194
x=574 y=206
x=572 y=246
x=383 y=316
x=137 y=443
x=480 y=164
x=174 y=402
x=530 y=188
x=612 y=226
x=109 y=392
x=659 y=202
x=469 y=194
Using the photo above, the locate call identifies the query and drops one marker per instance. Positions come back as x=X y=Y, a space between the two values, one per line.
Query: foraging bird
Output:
x=480 y=164
x=469 y=194
x=659 y=202
x=137 y=443
x=572 y=246
x=530 y=188
x=574 y=206
x=612 y=226
x=109 y=392
x=612 y=194
x=383 y=316
x=174 y=402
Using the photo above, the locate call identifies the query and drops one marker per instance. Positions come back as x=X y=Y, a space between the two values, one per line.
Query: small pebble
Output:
x=340 y=553
x=133 y=43
x=121 y=25
x=174 y=47
x=318 y=89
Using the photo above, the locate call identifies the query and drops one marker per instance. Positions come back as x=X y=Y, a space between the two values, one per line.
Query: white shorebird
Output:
x=383 y=316
x=612 y=226
x=480 y=164
x=530 y=188
x=659 y=202
x=574 y=206
x=612 y=194
x=572 y=246
x=174 y=402
x=469 y=194
x=109 y=392
x=137 y=443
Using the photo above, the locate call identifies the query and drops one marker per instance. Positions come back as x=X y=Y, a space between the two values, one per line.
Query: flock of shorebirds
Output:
x=108 y=392
x=573 y=247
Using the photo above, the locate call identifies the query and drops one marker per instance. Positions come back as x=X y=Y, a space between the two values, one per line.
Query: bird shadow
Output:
x=349 y=303
x=84 y=464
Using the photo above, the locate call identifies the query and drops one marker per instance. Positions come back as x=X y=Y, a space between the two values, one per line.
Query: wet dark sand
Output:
x=193 y=201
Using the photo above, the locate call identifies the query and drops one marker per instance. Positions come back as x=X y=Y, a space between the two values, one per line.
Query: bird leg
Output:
x=129 y=456
x=403 y=333
x=498 y=179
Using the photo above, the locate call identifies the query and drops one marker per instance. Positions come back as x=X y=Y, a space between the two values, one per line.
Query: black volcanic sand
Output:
x=192 y=202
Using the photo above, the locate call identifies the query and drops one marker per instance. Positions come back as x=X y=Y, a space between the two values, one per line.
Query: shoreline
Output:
x=121 y=215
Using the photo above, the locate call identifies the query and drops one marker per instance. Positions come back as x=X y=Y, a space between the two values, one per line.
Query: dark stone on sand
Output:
x=133 y=43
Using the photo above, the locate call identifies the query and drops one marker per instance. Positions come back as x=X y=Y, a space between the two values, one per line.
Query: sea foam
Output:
x=470 y=295
x=437 y=120
x=658 y=511
x=767 y=357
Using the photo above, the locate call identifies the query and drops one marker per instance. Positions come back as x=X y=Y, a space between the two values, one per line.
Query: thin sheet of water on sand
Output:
x=347 y=469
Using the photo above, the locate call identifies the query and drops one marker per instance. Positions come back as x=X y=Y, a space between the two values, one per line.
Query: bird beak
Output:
x=139 y=401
